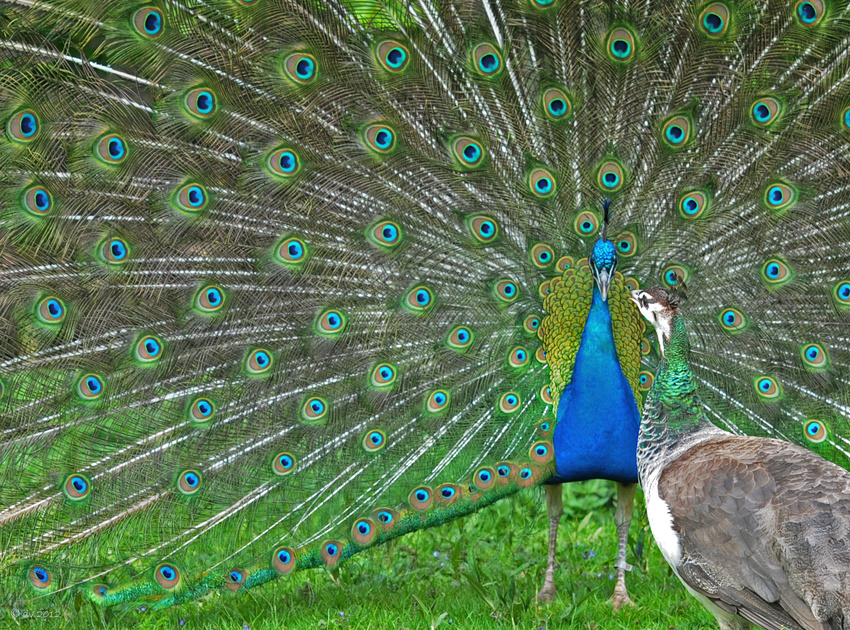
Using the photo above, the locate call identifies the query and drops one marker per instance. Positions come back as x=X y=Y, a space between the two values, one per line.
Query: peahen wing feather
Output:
x=271 y=270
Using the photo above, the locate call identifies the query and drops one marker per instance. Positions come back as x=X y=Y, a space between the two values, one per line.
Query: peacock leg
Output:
x=555 y=508
x=623 y=518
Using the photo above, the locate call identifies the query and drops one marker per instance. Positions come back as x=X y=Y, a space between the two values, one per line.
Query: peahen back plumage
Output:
x=273 y=272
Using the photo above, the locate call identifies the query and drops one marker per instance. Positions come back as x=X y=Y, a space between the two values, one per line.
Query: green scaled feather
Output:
x=208 y=251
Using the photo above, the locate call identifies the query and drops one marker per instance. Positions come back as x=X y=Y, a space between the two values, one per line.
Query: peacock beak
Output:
x=603 y=281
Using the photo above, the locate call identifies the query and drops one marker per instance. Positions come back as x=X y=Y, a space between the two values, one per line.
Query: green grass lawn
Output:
x=480 y=572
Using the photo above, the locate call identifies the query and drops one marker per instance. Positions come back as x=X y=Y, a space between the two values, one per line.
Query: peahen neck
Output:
x=673 y=416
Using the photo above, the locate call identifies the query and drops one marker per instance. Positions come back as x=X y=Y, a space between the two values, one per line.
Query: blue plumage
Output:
x=598 y=419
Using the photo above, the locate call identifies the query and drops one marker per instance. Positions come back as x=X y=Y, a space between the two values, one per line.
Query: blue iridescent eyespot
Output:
x=300 y=67
x=283 y=560
x=609 y=177
x=509 y=402
x=167 y=576
x=314 y=409
x=148 y=349
x=586 y=224
x=775 y=272
x=374 y=441
x=190 y=198
x=815 y=356
x=845 y=119
x=506 y=290
x=419 y=299
x=809 y=12
x=468 y=152
x=90 y=387
x=714 y=20
x=292 y=252
x=677 y=131
x=693 y=205
x=541 y=452
x=447 y=492
x=732 y=320
x=542 y=183
x=39 y=577
x=768 y=387
x=283 y=464
x=201 y=410
x=383 y=375
x=556 y=103
x=330 y=323
x=525 y=473
x=209 y=299
x=488 y=61
x=420 y=499
x=437 y=401
x=765 y=111
x=77 y=487
x=815 y=431
x=621 y=45
x=460 y=338
x=379 y=137
x=50 y=311
x=841 y=293
x=114 y=251
x=503 y=471
x=110 y=149
x=149 y=22
x=780 y=196
x=23 y=127
x=392 y=55
x=200 y=103
x=485 y=476
x=385 y=234
x=189 y=482
x=385 y=517
x=37 y=201
x=258 y=362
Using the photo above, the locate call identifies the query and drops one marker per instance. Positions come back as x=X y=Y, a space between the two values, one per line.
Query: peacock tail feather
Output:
x=272 y=271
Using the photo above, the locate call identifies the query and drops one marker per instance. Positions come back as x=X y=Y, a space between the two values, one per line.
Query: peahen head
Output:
x=659 y=306
x=603 y=258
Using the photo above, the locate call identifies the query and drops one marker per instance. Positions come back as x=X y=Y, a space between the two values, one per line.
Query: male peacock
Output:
x=272 y=271
x=757 y=529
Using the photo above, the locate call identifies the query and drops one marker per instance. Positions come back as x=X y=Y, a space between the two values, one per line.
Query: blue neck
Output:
x=598 y=421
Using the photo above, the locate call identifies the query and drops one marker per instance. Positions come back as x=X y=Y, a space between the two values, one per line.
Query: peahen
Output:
x=757 y=529
x=273 y=273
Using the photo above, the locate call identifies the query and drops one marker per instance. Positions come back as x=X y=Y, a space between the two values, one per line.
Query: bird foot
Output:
x=547 y=594
x=618 y=600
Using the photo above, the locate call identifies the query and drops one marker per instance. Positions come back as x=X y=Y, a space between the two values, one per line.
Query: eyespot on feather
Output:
x=841 y=293
x=39 y=576
x=200 y=103
x=460 y=338
x=484 y=478
x=392 y=55
x=90 y=387
x=586 y=224
x=518 y=357
x=546 y=394
x=610 y=176
x=258 y=362
x=531 y=324
x=676 y=132
x=283 y=464
x=77 y=487
x=148 y=349
x=693 y=204
x=621 y=45
x=114 y=251
x=331 y=323
x=541 y=182
x=714 y=20
x=363 y=531
x=314 y=409
x=283 y=560
x=190 y=198
x=235 y=580
x=189 y=482
x=379 y=137
x=37 y=201
x=387 y=517
x=421 y=498
x=775 y=272
x=447 y=494
x=201 y=410
x=487 y=60
x=780 y=196
x=542 y=255
x=815 y=431
x=167 y=576
x=300 y=67
x=732 y=320
x=768 y=387
x=541 y=452
x=468 y=152
x=557 y=104
x=110 y=149
x=506 y=290
x=386 y=234
x=23 y=127
x=765 y=111
x=815 y=356
x=291 y=252
x=283 y=163
x=564 y=263
x=509 y=402
x=383 y=375
x=675 y=275
x=484 y=229
x=374 y=441
x=809 y=13
x=50 y=311
x=149 y=22
x=626 y=244
x=437 y=401
x=419 y=299
x=645 y=380
x=209 y=299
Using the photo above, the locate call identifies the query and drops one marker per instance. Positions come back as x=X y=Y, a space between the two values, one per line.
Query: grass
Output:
x=480 y=572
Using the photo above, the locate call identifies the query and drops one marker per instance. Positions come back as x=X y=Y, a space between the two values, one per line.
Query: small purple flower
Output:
x=142 y=608
x=182 y=621
x=599 y=576
x=588 y=554
x=246 y=627
x=436 y=554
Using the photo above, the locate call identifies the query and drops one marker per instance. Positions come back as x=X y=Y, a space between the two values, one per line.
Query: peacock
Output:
x=282 y=280
x=757 y=529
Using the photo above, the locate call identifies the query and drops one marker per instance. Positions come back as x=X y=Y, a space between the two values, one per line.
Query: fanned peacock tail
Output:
x=273 y=271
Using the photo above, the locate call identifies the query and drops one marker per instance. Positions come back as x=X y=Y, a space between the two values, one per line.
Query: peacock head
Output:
x=659 y=307
x=603 y=258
